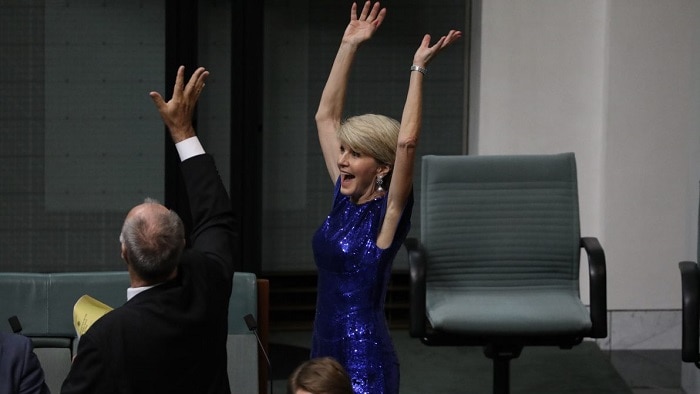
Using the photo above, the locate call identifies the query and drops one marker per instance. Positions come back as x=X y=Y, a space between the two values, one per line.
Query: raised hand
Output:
x=178 y=111
x=362 y=28
x=426 y=53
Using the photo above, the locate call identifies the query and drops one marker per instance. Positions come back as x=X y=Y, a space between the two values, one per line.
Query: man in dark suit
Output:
x=170 y=336
x=20 y=370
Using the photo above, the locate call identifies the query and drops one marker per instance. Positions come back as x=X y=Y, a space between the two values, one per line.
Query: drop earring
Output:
x=380 y=181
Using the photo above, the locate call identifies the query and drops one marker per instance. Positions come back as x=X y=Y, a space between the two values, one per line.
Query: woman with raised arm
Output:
x=370 y=160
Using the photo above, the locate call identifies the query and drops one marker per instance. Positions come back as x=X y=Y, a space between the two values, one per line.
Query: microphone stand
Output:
x=253 y=327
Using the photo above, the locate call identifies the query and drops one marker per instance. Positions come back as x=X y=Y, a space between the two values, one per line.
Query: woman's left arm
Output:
x=402 y=175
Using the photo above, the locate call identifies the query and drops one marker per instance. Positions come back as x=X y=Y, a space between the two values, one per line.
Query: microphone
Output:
x=253 y=326
x=14 y=324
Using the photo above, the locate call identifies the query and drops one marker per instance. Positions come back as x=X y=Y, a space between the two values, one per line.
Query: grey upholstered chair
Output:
x=497 y=264
x=690 y=288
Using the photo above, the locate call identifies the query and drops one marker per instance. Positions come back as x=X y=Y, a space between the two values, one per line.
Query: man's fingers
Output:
x=196 y=75
x=180 y=92
x=179 y=80
x=202 y=78
x=196 y=82
x=157 y=99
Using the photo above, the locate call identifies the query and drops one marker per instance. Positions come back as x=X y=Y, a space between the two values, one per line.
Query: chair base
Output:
x=501 y=356
x=501 y=349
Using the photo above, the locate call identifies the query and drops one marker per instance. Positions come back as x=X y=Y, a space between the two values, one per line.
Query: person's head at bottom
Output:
x=323 y=375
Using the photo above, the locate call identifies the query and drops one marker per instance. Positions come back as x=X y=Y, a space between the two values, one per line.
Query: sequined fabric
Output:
x=353 y=275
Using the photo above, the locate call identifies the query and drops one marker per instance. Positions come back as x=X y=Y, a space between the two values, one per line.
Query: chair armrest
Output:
x=598 y=286
x=416 y=266
x=690 y=287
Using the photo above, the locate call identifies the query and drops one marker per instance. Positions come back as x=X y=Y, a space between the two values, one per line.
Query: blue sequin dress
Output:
x=353 y=275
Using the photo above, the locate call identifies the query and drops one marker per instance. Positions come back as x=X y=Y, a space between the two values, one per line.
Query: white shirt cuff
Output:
x=189 y=148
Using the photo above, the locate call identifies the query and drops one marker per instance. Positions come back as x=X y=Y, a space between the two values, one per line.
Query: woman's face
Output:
x=358 y=174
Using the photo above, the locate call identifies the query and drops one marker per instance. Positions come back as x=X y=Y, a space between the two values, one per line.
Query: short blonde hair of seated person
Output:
x=323 y=375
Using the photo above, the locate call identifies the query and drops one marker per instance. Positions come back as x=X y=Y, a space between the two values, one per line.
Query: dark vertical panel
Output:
x=469 y=30
x=246 y=127
x=473 y=77
x=22 y=109
x=180 y=49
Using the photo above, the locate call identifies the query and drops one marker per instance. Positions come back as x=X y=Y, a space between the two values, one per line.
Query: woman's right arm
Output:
x=330 y=108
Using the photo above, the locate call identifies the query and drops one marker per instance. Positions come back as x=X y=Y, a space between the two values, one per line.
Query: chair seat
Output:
x=507 y=311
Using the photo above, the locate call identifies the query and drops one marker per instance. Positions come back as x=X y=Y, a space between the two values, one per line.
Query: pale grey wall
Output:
x=615 y=82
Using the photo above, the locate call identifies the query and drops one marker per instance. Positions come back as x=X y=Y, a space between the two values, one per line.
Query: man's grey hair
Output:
x=153 y=243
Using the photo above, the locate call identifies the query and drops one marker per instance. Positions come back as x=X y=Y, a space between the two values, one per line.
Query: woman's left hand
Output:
x=426 y=53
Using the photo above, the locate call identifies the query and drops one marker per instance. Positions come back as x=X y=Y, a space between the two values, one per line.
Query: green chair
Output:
x=497 y=264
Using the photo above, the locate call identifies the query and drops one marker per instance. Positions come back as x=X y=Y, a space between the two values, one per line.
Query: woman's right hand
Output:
x=362 y=28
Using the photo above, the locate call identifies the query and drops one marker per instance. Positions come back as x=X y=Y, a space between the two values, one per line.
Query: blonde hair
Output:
x=371 y=134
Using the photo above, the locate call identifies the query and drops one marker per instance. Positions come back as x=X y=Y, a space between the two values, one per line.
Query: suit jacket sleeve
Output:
x=20 y=370
x=213 y=223
x=85 y=373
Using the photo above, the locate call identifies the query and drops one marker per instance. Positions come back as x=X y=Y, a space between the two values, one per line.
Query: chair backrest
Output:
x=500 y=221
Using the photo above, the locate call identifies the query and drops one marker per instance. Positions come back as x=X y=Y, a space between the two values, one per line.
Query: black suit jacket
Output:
x=171 y=338
x=20 y=370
